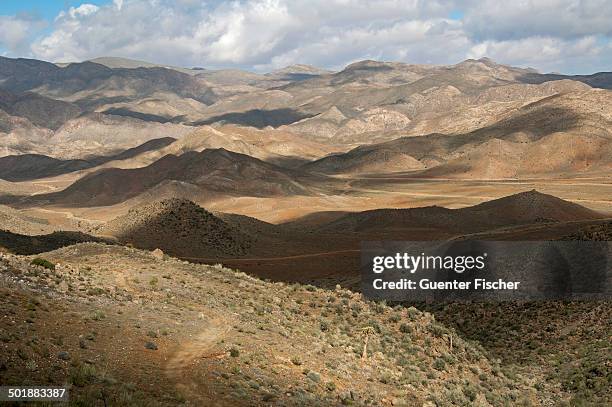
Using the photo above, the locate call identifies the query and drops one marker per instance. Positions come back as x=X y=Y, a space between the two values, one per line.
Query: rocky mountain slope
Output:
x=98 y=109
x=560 y=134
x=39 y=110
x=208 y=335
x=89 y=84
x=213 y=171
x=524 y=208
x=33 y=166
x=180 y=227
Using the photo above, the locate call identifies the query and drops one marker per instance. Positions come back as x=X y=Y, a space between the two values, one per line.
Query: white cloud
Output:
x=16 y=32
x=242 y=33
x=511 y=20
x=543 y=52
x=264 y=34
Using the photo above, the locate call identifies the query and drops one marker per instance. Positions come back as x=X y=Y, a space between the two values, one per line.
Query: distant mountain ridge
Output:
x=519 y=209
x=210 y=171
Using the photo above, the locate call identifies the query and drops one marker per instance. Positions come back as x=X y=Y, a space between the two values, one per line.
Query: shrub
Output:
x=38 y=261
x=470 y=392
x=95 y=291
x=314 y=376
x=83 y=375
x=437 y=330
x=395 y=318
x=98 y=315
x=439 y=364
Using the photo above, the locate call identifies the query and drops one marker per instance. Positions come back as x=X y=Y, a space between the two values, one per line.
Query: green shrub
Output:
x=98 y=315
x=38 y=261
x=439 y=364
x=314 y=376
x=95 y=291
x=83 y=375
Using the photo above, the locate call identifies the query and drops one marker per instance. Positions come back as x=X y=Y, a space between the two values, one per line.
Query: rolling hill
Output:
x=180 y=227
x=39 y=110
x=212 y=171
x=564 y=133
x=525 y=208
x=34 y=166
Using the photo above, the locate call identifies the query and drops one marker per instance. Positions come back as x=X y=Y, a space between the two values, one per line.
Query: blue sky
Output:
x=47 y=9
x=568 y=36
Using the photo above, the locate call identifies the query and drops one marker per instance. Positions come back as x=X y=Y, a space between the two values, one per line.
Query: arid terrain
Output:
x=177 y=236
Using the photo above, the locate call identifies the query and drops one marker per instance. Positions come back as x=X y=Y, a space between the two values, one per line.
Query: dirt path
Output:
x=181 y=365
x=66 y=215
x=297 y=256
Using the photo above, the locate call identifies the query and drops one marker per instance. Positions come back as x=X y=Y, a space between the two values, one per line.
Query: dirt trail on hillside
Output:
x=182 y=364
x=297 y=256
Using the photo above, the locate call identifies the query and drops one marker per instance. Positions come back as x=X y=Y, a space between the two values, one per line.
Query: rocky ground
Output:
x=127 y=327
x=180 y=227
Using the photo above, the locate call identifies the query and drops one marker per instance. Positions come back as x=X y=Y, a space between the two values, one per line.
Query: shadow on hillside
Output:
x=27 y=245
x=258 y=118
x=601 y=80
x=147 y=117
x=27 y=167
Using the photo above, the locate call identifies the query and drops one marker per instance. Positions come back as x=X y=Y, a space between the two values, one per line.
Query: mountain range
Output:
x=118 y=176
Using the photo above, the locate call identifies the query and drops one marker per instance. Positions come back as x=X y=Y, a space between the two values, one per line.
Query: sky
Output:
x=567 y=36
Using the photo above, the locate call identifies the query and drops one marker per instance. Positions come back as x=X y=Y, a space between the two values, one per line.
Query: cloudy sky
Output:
x=568 y=36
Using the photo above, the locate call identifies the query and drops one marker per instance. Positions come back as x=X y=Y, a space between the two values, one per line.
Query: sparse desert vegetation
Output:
x=191 y=237
x=233 y=338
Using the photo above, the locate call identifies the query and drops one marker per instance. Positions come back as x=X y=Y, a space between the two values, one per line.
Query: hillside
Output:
x=180 y=228
x=523 y=208
x=275 y=146
x=39 y=243
x=11 y=220
x=39 y=110
x=379 y=99
x=97 y=107
x=562 y=134
x=208 y=335
x=33 y=166
x=89 y=84
x=116 y=62
x=211 y=171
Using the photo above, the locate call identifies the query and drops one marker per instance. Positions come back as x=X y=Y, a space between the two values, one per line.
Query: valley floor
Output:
x=389 y=191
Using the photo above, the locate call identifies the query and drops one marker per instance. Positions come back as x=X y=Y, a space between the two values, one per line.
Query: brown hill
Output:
x=89 y=84
x=178 y=227
x=561 y=134
x=39 y=110
x=33 y=166
x=520 y=209
x=213 y=171
x=33 y=244
x=366 y=102
x=269 y=145
x=209 y=336
x=379 y=99
x=597 y=232
x=11 y=220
